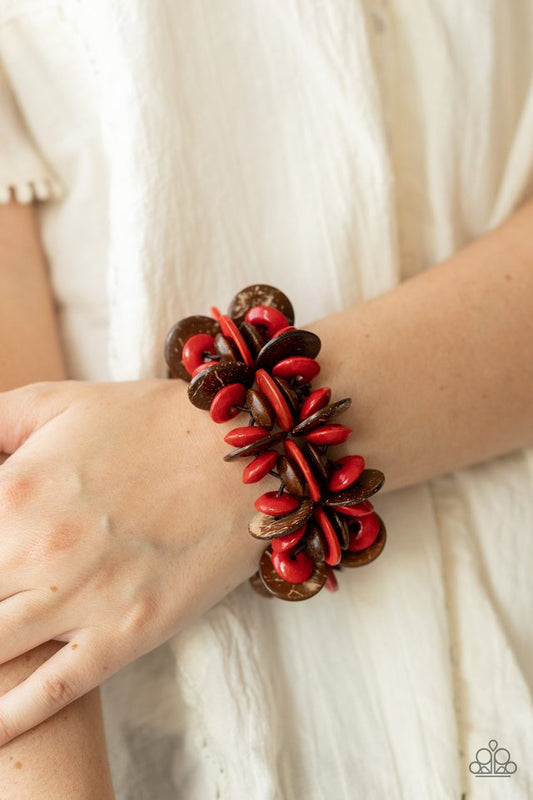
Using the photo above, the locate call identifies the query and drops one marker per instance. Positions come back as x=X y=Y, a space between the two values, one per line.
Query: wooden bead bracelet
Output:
x=253 y=360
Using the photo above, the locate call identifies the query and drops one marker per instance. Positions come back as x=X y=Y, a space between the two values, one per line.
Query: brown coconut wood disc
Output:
x=369 y=482
x=360 y=558
x=341 y=527
x=260 y=409
x=264 y=526
x=178 y=335
x=290 y=591
x=226 y=349
x=291 y=343
x=316 y=461
x=257 y=584
x=314 y=542
x=291 y=476
x=252 y=337
x=259 y=294
x=291 y=398
x=255 y=447
x=321 y=416
x=204 y=386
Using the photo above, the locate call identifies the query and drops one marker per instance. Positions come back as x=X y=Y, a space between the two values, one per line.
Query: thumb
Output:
x=26 y=409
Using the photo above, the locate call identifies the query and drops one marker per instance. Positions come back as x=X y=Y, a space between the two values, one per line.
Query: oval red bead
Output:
x=194 y=348
x=367 y=533
x=223 y=403
x=301 y=367
x=268 y=317
x=359 y=510
x=239 y=437
x=329 y=434
x=260 y=466
x=276 y=504
x=267 y=385
x=215 y=313
x=295 y=569
x=316 y=400
x=333 y=556
x=293 y=451
x=284 y=330
x=229 y=329
x=200 y=367
x=348 y=470
x=331 y=583
x=287 y=542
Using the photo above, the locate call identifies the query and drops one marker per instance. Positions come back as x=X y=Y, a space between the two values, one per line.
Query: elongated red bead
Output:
x=293 y=569
x=223 y=404
x=239 y=437
x=333 y=556
x=287 y=542
x=260 y=466
x=267 y=385
x=348 y=470
x=329 y=434
x=284 y=330
x=200 y=367
x=316 y=400
x=194 y=348
x=293 y=451
x=367 y=533
x=269 y=317
x=301 y=367
x=359 y=510
x=229 y=329
x=331 y=583
x=276 y=504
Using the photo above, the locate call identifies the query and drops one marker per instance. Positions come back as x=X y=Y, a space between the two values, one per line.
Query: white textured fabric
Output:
x=333 y=149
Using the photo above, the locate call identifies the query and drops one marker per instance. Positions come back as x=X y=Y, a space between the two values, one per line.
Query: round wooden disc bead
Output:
x=288 y=541
x=226 y=348
x=273 y=394
x=260 y=409
x=369 y=482
x=289 y=395
x=230 y=330
x=252 y=337
x=347 y=470
x=259 y=294
x=293 y=452
x=267 y=317
x=290 y=591
x=258 y=586
x=194 y=349
x=365 y=534
x=260 y=466
x=296 y=342
x=263 y=526
x=300 y=367
x=275 y=504
x=291 y=476
x=205 y=385
x=316 y=400
x=293 y=568
x=223 y=404
x=178 y=335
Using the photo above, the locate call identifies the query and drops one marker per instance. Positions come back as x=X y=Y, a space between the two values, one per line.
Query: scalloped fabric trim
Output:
x=28 y=191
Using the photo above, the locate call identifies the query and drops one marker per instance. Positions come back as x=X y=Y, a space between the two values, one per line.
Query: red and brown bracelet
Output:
x=253 y=361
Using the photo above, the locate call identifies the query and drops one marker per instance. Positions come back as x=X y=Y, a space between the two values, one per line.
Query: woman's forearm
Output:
x=64 y=757
x=440 y=369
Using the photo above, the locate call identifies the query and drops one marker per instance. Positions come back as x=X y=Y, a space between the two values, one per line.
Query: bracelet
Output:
x=253 y=360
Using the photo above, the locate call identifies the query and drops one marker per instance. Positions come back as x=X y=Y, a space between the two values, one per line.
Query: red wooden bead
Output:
x=359 y=510
x=215 y=312
x=316 y=400
x=194 y=348
x=260 y=466
x=268 y=386
x=333 y=556
x=331 y=583
x=293 y=451
x=366 y=535
x=287 y=542
x=268 y=317
x=276 y=504
x=293 y=569
x=230 y=330
x=239 y=437
x=301 y=367
x=348 y=470
x=223 y=403
x=329 y=434
x=284 y=330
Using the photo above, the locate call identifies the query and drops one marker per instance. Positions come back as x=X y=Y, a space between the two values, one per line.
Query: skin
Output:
x=65 y=756
x=114 y=492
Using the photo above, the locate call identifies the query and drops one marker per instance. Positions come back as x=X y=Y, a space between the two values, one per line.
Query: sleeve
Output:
x=23 y=169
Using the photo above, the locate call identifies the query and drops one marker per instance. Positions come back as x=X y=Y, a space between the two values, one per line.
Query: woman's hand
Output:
x=120 y=525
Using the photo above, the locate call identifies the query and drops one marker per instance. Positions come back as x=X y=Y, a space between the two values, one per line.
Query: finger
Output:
x=26 y=621
x=26 y=409
x=70 y=673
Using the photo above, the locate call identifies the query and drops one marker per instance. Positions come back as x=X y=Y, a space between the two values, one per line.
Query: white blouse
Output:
x=181 y=150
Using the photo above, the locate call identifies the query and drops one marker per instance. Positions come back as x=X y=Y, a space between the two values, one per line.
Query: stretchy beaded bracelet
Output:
x=253 y=360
